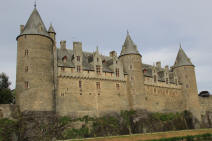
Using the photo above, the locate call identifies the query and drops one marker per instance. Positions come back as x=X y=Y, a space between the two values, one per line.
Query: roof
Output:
x=35 y=25
x=51 y=29
x=87 y=60
x=148 y=72
x=129 y=47
x=182 y=59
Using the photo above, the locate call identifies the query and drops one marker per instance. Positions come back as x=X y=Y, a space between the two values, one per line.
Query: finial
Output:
x=127 y=32
x=97 y=48
x=180 y=46
x=35 y=4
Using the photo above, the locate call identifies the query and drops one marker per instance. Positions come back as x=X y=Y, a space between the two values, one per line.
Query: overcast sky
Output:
x=156 y=26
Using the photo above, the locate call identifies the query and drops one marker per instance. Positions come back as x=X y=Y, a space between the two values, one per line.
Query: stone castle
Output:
x=73 y=82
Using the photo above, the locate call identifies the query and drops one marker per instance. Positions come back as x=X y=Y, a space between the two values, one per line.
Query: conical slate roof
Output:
x=51 y=29
x=182 y=59
x=129 y=47
x=35 y=25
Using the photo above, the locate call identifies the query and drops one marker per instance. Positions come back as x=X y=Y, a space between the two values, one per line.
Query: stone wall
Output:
x=206 y=104
x=78 y=94
x=8 y=111
x=162 y=97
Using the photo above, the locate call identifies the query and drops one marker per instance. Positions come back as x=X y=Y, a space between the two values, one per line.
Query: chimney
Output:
x=21 y=28
x=158 y=64
x=113 y=54
x=63 y=44
x=77 y=47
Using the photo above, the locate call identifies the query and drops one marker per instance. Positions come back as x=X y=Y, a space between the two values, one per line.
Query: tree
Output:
x=6 y=95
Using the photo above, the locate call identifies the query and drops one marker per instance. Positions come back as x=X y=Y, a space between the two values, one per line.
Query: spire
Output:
x=35 y=24
x=35 y=4
x=182 y=59
x=51 y=29
x=129 y=47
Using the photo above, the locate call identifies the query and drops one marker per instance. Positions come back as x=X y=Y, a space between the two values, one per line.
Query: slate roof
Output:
x=86 y=62
x=148 y=72
x=35 y=25
x=129 y=47
x=182 y=59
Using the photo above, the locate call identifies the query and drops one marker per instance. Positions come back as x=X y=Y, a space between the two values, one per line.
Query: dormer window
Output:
x=155 y=78
x=98 y=69
x=78 y=69
x=97 y=59
x=78 y=58
x=167 y=81
x=117 y=72
x=64 y=59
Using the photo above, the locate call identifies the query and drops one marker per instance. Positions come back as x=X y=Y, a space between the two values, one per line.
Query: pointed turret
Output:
x=52 y=32
x=51 y=29
x=182 y=59
x=35 y=25
x=129 y=47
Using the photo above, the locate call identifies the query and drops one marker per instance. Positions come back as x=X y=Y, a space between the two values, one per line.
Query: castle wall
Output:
x=162 y=97
x=206 y=104
x=89 y=100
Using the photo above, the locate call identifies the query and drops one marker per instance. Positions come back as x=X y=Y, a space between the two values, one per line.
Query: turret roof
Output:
x=182 y=59
x=35 y=25
x=129 y=47
x=51 y=29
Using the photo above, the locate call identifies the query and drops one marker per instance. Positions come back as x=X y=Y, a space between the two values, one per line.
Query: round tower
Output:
x=34 y=74
x=132 y=63
x=185 y=71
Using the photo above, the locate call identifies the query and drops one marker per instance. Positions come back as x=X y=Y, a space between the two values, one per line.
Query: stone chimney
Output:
x=63 y=44
x=113 y=54
x=158 y=64
x=21 y=28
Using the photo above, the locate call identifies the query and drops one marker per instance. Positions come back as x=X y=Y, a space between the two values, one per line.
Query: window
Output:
x=78 y=58
x=97 y=59
x=117 y=86
x=155 y=79
x=98 y=85
x=26 y=69
x=64 y=59
x=116 y=62
x=78 y=69
x=26 y=84
x=167 y=81
x=117 y=72
x=130 y=66
x=187 y=86
x=26 y=52
x=80 y=84
x=98 y=69
x=62 y=69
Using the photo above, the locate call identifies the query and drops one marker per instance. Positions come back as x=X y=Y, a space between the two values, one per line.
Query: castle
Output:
x=74 y=82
